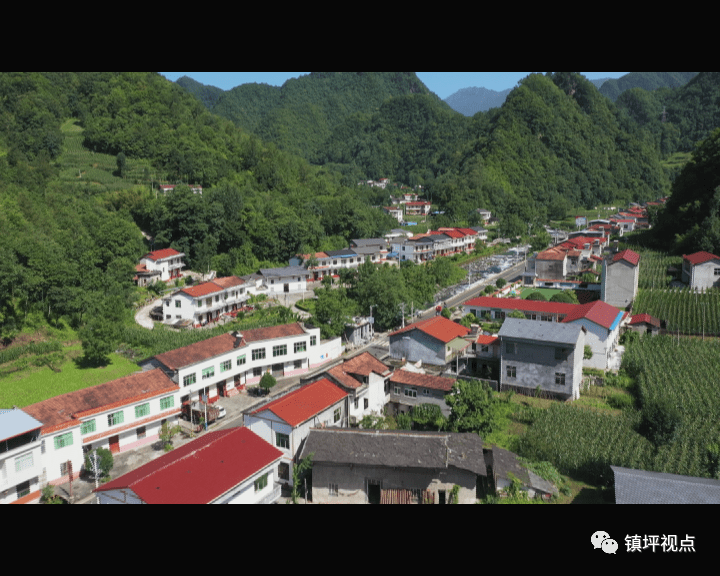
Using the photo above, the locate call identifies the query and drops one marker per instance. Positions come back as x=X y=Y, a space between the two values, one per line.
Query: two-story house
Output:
x=286 y=422
x=206 y=302
x=410 y=389
x=602 y=324
x=21 y=466
x=226 y=364
x=500 y=308
x=286 y=280
x=542 y=354
x=436 y=341
x=620 y=277
x=168 y=262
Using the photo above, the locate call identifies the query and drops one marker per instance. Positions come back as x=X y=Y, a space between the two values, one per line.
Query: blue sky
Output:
x=443 y=84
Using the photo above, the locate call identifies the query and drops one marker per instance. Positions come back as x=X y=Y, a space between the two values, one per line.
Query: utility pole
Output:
x=403 y=314
x=97 y=472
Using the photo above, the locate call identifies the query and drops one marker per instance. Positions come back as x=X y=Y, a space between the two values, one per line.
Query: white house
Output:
x=21 y=465
x=285 y=280
x=701 y=270
x=602 y=325
x=120 y=415
x=231 y=466
x=205 y=302
x=168 y=262
x=226 y=364
x=365 y=379
x=286 y=422
x=394 y=211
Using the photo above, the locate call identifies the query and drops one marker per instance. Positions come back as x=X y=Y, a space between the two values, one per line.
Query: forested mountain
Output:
x=470 y=101
x=645 y=80
x=692 y=112
x=300 y=116
x=208 y=95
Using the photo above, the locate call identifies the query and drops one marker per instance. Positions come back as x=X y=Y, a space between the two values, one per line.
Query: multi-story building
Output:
x=620 y=277
x=21 y=466
x=168 y=263
x=226 y=364
x=701 y=270
x=205 y=302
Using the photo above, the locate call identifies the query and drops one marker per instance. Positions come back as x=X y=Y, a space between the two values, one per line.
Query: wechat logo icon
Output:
x=602 y=540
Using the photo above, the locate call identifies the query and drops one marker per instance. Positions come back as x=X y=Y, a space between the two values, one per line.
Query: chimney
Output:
x=238 y=338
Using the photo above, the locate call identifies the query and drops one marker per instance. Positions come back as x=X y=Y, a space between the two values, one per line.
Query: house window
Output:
x=142 y=411
x=560 y=379
x=510 y=348
x=167 y=403
x=282 y=440
x=115 y=419
x=87 y=427
x=24 y=462
x=279 y=350
x=63 y=441
x=258 y=354
x=261 y=483
x=242 y=360
x=717 y=271
x=336 y=415
x=333 y=490
x=257 y=372
x=225 y=366
x=284 y=471
x=367 y=403
x=298 y=364
x=426 y=392
x=23 y=489
x=63 y=469
x=397 y=390
x=300 y=347
x=511 y=372
x=141 y=433
x=178 y=304
x=559 y=353
x=357 y=403
x=313 y=340
x=411 y=392
x=208 y=373
x=189 y=380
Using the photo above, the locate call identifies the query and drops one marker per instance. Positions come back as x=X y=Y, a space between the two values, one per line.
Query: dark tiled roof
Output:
x=397 y=449
x=640 y=487
x=504 y=462
x=422 y=380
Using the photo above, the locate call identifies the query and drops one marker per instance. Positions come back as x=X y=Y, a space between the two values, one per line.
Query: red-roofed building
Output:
x=645 y=324
x=701 y=270
x=232 y=466
x=120 y=415
x=602 y=324
x=436 y=341
x=168 y=262
x=410 y=389
x=417 y=208
x=206 y=302
x=620 y=278
x=286 y=422
x=500 y=308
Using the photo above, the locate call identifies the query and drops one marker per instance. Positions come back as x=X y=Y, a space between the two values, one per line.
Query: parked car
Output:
x=221 y=411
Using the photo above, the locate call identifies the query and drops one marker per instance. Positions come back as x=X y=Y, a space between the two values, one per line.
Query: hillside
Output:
x=645 y=80
x=470 y=101
x=300 y=116
x=208 y=95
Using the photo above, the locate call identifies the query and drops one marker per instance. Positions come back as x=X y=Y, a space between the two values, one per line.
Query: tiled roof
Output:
x=162 y=254
x=362 y=365
x=222 y=344
x=700 y=258
x=627 y=255
x=204 y=289
x=305 y=403
x=598 y=312
x=438 y=327
x=229 y=282
x=422 y=380
x=201 y=471
x=552 y=254
x=487 y=340
x=522 y=305
x=57 y=413
x=646 y=318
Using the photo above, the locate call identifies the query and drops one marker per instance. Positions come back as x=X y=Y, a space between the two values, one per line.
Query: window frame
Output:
x=187 y=382
x=280 y=350
x=88 y=427
x=142 y=411
x=167 y=403
x=259 y=354
x=63 y=440
x=281 y=440
x=208 y=373
x=261 y=483
x=511 y=372
x=560 y=379
x=299 y=347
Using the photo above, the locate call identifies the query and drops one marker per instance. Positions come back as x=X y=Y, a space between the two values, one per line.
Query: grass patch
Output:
x=35 y=384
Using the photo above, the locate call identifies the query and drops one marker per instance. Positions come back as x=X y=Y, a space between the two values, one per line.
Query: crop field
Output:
x=683 y=310
x=679 y=375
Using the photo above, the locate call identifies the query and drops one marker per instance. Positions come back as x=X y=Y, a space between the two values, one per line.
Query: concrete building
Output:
x=205 y=303
x=168 y=262
x=602 y=323
x=21 y=463
x=544 y=354
x=436 y=341
x=620 y=277
x=410 y=389
x=286 y=422
x=287 y=280
x=701 y=270
x=394 y=467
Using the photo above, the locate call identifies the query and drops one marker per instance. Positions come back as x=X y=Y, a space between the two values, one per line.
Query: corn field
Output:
x=586 y=442
x=682 y=310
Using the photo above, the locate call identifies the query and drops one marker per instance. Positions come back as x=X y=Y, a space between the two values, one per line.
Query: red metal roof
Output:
x=201 y=471
x=700 y=258
x=522 y=305
x=162 y=254
x=640 y=318
x=438 y=327
x=629 y=256
x=598 y=312
x=305 y=403
x=204 y=289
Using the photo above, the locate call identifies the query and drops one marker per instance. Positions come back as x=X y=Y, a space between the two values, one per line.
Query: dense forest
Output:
x=645 y=80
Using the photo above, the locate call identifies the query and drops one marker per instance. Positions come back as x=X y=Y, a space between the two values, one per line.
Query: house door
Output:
x=373 y=491
x=115 y=444
x=287 y=288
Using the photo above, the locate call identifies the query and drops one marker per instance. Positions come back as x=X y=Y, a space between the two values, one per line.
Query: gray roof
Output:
x=397 y=449
x=344 y=253
x=503 y=462
x=641 y=487
x=552 y=332
x=284 y=272
x=16 y=422
x=365 y=242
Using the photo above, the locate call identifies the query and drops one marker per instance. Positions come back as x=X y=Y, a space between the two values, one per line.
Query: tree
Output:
x=267 y=382
x=121 y=165
x=98 y=340
x=501 y=283
x=104 y=460
x=167 y=433
x=299 y=472
x=472 y=408
x=428 y=417
x=588 y=354
x=566 y=296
